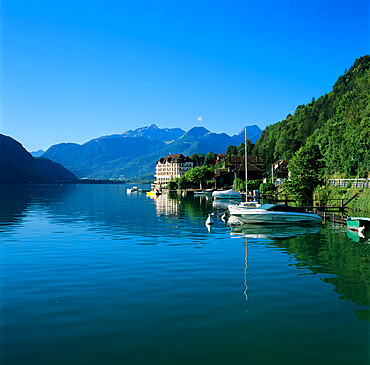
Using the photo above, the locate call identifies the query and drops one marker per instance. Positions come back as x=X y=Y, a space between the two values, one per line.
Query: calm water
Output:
x=93 y=275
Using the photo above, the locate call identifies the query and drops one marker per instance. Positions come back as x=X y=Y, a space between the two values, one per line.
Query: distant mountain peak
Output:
x=37 y=153
x=197 y=131
x=135 y=152
x=155 y=133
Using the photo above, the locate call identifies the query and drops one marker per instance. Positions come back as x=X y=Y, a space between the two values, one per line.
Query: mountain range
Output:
x=18 y=166
x=135 y=153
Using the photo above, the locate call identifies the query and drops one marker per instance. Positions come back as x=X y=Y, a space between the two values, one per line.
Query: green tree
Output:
x=201 y=158
x=239 y=184
x=305 y=172
x=241 y=148
x=210 y=159
x=199 y=175
x=195 y=158
x=231 y=150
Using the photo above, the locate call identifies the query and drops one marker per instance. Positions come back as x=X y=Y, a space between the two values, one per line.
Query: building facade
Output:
x=235 y=168
x=171 y=167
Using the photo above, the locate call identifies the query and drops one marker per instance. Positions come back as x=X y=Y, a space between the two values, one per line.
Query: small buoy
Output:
x=209 y=220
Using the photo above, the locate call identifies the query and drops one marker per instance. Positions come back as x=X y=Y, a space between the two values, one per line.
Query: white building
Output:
x=171 y=167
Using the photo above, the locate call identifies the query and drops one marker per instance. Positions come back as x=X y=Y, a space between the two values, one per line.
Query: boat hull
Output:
x=355 y=223
x=226 y=194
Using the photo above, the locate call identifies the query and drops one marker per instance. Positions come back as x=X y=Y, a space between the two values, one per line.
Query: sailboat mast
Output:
x=246 y=166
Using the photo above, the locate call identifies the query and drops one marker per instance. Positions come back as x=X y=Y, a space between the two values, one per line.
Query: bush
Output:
x=333 y=195
x=254 y=184
x=239 y=184
x=267 y=187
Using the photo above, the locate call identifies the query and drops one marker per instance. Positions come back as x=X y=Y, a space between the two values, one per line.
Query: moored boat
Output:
x=132 y=190
x=358 y=223
x=275 y=214
x=155 y=192
x=207 y=192
x=226 y=194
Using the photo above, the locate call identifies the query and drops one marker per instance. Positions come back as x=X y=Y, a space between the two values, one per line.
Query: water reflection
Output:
x=363 y=237
x=175 y=220
x=344 y=263
x=167 y=205
x=324 y=251
x=105 y=208
x=273 y=231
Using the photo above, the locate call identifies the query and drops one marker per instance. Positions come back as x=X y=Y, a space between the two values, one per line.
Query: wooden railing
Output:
x=354 y=183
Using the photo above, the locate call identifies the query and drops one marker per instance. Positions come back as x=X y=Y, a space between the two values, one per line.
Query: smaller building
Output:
x=220 y=157
x=171 y=167
x=279 y=171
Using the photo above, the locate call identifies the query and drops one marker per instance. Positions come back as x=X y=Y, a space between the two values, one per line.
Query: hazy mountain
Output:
x=134 y=153
x=105 y=157
x=37 y=153
x=18 y=166
x=253 y=133
x=156 y=134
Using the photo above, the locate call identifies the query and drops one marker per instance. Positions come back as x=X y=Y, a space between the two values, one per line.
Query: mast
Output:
x=246 y=166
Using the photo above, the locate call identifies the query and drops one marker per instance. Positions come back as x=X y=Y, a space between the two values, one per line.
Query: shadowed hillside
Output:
x=18 y=166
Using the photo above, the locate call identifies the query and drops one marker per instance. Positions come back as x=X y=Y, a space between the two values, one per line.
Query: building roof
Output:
x=234 y=161
x=280 y=165
x=177 y=158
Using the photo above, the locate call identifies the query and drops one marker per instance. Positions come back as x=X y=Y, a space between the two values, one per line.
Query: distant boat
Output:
x=226 y=194
x=153 y=193
x=207 y=192
x=275 y=214
x=358 y=223
x=132 y=190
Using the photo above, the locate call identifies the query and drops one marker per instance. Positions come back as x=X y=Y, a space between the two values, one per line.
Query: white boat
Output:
x=226 y=194
x=274 y=214
x=243 y=205
x=132 y=190
x=239 y=209
x=207 y=192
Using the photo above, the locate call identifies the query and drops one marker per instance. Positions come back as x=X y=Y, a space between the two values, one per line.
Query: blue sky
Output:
x=76 y=70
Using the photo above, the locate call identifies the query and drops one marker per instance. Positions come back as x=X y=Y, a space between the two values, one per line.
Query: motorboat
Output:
x=358 y=223
x=234 y=209
x=275 y=214
x=241 y=207
x=226 y=194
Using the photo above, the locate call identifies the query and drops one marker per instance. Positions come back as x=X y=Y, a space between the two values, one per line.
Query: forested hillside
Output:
x=338 y=123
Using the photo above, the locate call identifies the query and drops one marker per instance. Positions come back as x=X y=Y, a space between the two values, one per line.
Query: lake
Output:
x=91 y=274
